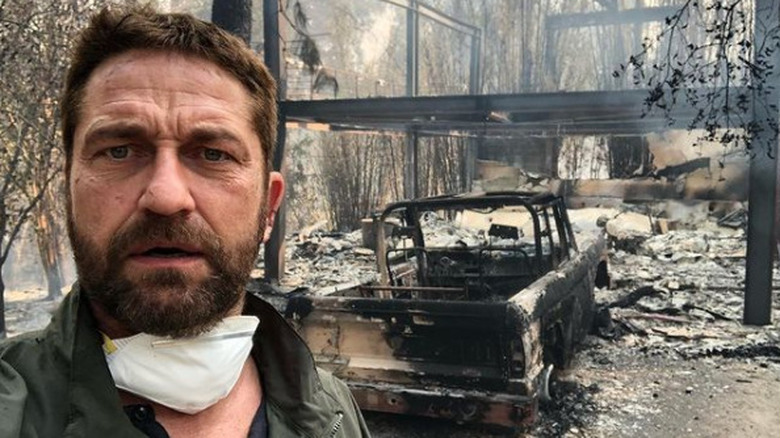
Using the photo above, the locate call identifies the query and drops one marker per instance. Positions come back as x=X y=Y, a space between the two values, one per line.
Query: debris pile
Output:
x=441 y=233
x=318 y=260
x=683 y=293
x=323 y=260
x=473 y=230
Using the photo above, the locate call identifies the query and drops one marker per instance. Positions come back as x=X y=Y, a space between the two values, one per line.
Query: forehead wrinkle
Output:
x=124 y=113
x=209 y=73
x=213 y=73
x=215 y=119
x=162 y=100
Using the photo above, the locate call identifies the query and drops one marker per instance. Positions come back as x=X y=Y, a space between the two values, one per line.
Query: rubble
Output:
x=628 y=230
x=735 y=219
x=682 y=293
x=320 y=260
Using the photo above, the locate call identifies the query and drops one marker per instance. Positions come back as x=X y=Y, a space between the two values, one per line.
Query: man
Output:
x=168 y=127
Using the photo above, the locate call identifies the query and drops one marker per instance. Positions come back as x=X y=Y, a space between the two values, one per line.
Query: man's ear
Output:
x=274 y=200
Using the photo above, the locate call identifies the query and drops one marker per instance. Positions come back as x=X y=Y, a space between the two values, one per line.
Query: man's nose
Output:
x=167 y=192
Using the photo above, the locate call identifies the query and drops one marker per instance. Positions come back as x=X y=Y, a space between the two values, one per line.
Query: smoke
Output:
x=373 y=46
x=23 y=270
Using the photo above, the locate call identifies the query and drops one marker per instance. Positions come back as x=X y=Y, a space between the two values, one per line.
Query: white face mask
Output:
x=187 y=374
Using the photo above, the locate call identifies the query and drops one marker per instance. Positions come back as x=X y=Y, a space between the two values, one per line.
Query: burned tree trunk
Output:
x=48 y=240
x=3 y=334
x=235 y=16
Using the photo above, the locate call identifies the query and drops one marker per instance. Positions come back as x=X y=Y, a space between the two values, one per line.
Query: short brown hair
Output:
x=114 y=31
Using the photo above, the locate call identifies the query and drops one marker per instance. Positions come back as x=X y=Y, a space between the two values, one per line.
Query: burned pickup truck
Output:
x=479 y=299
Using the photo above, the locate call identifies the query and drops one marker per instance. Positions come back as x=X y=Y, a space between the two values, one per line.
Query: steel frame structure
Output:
x=596 y=112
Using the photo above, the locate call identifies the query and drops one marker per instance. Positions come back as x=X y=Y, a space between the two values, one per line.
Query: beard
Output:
x=165 y=301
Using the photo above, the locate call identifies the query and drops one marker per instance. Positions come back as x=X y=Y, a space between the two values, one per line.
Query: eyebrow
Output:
x=131 y=130
x=116 y=130
x=211 y=135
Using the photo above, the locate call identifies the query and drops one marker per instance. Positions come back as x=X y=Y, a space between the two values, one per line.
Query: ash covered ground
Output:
x=668 y=355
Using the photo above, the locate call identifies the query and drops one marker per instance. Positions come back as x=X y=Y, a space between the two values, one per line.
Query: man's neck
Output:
x=107 y=324
x=229 y=417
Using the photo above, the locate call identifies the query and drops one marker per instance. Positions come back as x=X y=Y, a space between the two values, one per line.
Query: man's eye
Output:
x=215 y=155
x=119 y=152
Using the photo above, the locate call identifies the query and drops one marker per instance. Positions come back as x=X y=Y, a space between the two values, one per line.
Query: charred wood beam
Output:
x=633 y=297
x=607 y=18
x=672 y=172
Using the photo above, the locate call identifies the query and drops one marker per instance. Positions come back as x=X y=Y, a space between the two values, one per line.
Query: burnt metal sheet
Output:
x=473 y=406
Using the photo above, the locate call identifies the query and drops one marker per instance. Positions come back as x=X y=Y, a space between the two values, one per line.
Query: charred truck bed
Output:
x=480 y=297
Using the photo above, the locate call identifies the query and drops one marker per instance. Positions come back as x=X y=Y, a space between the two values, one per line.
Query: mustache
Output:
x=156 y=229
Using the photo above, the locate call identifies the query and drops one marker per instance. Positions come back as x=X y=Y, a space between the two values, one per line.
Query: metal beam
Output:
x=415 y=9
x=550 y=53
x=411 y=185
x=436 y=15
x=475 y=64
x=274 y=248
x=474 y=145
x=272 y=56
x=607 y=18
x=763 y=175
x=621 y=105
x=540 y=114
x=624 y=127
x=412 y=89
x=412 y=44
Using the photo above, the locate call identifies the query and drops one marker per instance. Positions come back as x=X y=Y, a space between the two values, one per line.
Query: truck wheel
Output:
x=572 y=332
x=544 y=384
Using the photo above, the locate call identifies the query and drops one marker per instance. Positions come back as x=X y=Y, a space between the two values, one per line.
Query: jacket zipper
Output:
x=336 y=426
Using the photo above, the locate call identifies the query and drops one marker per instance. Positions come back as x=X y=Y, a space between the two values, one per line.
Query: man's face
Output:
x=168 y=196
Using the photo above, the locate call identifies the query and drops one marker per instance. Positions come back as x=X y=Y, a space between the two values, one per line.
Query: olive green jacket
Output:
x=55 y=383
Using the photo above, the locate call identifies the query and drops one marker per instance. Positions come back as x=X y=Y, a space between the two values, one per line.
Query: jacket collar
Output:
x=94 y=406
x=291 y=383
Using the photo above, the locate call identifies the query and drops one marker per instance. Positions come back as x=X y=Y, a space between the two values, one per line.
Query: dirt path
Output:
x=646 y=396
